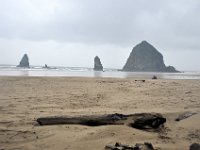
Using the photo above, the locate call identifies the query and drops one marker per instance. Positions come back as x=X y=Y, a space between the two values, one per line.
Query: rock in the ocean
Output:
x=195 y=146
x=144 y=57
x=24 y=62
x=97 y=64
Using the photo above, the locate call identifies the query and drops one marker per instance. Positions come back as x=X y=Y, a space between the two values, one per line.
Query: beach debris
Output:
x=195 y=146
x=185 y=115
x=148 y=121
x=140 y=80
x=138 y=146
x=154 y=77
x=139 y=121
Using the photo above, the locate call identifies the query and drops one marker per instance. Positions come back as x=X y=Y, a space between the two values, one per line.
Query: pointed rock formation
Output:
x=97 y=64
x=24 y=62
x=144 y=57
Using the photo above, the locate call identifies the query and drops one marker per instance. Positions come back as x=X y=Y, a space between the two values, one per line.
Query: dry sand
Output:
x=24 y=99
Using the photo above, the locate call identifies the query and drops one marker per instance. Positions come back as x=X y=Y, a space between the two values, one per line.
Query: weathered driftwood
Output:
x=185 y=115
x=140 y=121
x=93 y=120
x=146 y=121
x=138 y=146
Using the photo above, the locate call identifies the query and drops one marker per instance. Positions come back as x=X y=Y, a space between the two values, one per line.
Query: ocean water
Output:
x=12 y=70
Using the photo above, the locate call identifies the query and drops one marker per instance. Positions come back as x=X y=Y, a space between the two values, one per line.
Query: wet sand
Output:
x=24 y=99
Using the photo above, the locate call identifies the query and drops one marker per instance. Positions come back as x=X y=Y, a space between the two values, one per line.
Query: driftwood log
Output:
x=140 y=121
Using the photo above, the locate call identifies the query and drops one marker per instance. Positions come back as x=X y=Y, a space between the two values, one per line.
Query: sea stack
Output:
x=145 y=58
x=24 y=62
x=97 y=64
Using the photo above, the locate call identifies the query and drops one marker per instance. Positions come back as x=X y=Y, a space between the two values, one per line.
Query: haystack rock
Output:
x=145 y=58
x=97 y=64
x=24 y=62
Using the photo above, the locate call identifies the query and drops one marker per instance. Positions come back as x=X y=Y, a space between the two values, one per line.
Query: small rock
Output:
x=140 y=80
x=119 y=146
x=195 y=146
x=154 y=77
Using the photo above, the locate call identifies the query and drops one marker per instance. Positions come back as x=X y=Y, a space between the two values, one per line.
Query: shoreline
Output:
x=89 y=72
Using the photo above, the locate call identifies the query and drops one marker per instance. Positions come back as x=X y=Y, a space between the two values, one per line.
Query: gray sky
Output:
x=72 y=32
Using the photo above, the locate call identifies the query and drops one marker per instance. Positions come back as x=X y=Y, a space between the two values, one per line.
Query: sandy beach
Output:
x=24 y=99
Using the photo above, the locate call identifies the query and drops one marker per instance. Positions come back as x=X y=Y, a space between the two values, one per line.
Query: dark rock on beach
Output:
x=138 y=146
x=154 y=77
x=24 y=62
x=145 y=58
x=97 y=64
x=195 y=146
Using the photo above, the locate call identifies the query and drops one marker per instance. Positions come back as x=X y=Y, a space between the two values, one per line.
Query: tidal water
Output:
x=38 y=71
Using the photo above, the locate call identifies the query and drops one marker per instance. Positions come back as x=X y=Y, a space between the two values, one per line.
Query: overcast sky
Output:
x=72 y=32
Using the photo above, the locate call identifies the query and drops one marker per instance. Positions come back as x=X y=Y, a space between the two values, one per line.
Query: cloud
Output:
x=110 y=24
x=94 y=21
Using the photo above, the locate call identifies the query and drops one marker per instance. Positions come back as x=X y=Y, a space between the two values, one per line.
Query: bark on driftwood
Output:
x=140 y=121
